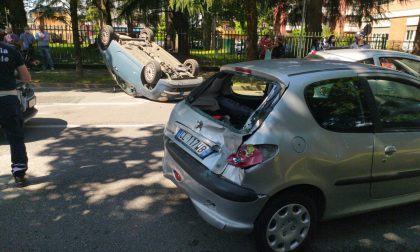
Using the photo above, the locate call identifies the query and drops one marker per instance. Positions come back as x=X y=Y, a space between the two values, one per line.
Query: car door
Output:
x=396 y=159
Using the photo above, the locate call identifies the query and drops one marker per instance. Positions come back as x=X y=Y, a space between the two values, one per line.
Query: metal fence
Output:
x=215 y=49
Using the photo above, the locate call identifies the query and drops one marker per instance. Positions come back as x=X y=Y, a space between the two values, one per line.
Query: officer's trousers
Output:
x=11 y=122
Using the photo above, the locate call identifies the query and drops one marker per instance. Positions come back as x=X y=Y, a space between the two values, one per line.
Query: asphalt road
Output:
x=96 y=184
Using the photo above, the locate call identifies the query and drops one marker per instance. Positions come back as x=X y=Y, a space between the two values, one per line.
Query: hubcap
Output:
x=104 y=35
x=288 y=227
x=150 y=73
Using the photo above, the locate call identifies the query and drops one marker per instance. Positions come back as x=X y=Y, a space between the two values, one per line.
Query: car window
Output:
x=398 y=103
x=314 y=56
x=368 y=61
x=405 y=65
x=248 y=86
x=338 y=105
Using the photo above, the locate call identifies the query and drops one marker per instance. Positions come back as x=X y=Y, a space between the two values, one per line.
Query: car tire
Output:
x=152 y=72
x=286 y=223
x=147 y=34
x=106 y=36
x=192 y=67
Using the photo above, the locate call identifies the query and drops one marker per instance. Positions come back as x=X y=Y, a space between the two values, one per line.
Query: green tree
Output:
x=105 y=8
x=71 y=7
x=17 y=14
x=245 y=11
x=356 y=11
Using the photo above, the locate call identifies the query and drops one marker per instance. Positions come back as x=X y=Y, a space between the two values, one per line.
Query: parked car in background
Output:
x=276 y=146
x=143 y=68
x=27 y=98
x=395 y=60
x=239 y=47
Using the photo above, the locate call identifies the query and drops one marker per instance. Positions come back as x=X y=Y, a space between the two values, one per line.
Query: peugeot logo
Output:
x=199 y=124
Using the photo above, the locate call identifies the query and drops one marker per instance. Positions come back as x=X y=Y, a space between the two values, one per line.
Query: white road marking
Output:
x=54 y=126
x=92 y=104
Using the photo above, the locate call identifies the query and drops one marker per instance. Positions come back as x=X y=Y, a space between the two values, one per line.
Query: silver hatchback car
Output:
x=276 y=146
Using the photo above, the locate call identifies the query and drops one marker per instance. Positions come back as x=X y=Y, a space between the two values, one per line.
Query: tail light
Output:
x=250 y=155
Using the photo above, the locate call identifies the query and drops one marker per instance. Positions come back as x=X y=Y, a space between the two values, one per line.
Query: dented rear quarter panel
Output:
x=308 y=154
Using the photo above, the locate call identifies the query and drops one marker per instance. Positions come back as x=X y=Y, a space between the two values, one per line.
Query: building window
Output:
x=410 y=35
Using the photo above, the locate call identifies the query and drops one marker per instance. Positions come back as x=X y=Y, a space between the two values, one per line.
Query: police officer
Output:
x=10 y=114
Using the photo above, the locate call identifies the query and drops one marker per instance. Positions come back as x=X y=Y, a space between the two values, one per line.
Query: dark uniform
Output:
x=11 y=119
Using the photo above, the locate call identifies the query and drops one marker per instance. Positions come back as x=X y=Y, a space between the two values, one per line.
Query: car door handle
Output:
x=389 y=150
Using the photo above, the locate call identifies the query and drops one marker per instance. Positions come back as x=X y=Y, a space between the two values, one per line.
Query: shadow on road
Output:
x=392 y=229
x=104 y=190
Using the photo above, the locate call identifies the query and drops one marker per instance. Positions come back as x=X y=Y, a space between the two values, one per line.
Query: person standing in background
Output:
x=43 y=39
x=279 y=50
x=264 y=43
x=360 y=42
x=11 y=38
x=27 y=39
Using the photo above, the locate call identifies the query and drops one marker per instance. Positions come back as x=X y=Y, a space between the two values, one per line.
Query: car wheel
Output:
x=192 y=67
x=106 y=36
x=286 y=223
x=147 y=34
x=152 y=72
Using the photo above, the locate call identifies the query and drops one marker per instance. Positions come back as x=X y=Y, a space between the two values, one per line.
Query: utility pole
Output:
x=302 y=27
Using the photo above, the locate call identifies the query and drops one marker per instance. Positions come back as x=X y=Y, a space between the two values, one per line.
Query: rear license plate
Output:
x=196 y=145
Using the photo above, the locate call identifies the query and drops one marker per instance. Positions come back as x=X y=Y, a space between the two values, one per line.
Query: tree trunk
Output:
x=108 y=16
x=181 y=26
x=76 y=38
x=416 y=48
x=17 y=15
x=207 y=26
x=104 y=7
x=170 y=32
x=130 y=25
x=314 y=16
x=252 y=22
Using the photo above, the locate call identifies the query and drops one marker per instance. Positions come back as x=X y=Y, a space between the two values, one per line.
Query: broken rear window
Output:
x=236 y=100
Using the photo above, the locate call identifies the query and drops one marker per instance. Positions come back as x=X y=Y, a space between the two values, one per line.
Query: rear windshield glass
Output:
x=235 y=99
x=314 y=56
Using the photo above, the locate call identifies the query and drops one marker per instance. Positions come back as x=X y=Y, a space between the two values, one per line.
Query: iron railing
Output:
x=215 y=49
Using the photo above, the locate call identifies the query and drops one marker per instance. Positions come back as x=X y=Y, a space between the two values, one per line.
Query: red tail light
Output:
x=177 y=176
x=246 y=156
x=243 y=70
x=250 y=155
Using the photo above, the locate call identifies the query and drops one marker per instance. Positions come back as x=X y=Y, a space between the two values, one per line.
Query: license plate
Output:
x=32 y=103
x=196 y=145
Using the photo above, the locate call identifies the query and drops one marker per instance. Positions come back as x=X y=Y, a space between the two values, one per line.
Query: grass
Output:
x=69 y=78
x=63 y=53
x=90 y=78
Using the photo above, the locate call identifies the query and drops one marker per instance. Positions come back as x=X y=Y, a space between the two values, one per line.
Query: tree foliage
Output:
x=17 y=14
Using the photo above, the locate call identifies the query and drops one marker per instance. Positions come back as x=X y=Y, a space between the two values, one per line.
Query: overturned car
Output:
x=142 y=68
x=27 y=98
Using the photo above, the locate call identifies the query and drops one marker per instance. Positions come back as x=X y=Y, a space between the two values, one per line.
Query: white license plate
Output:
x=32 y=103
x=196 y=145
